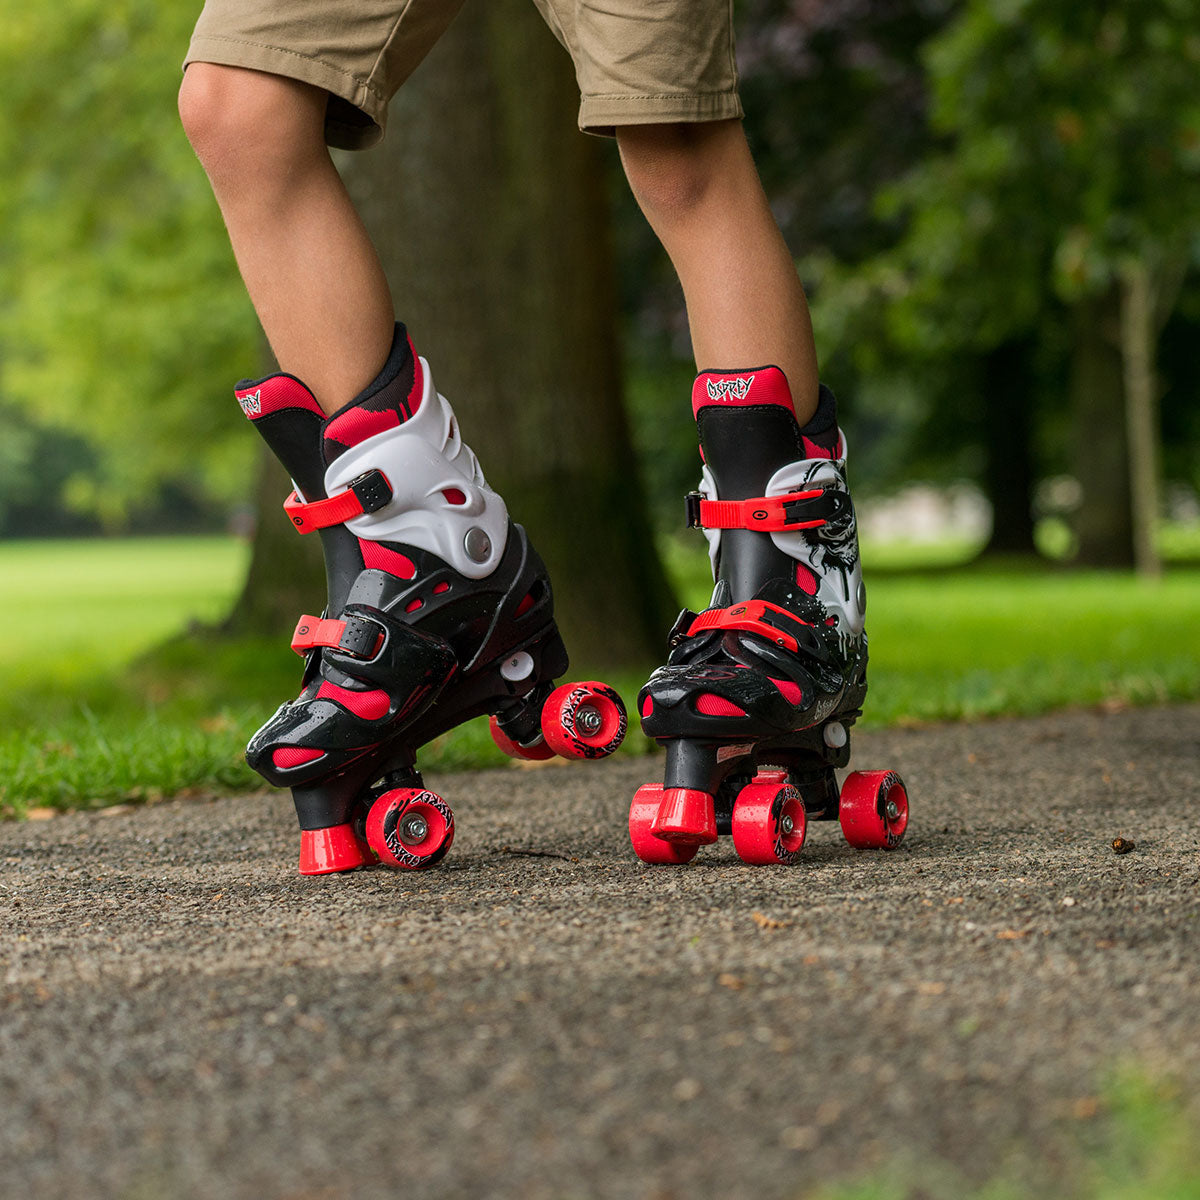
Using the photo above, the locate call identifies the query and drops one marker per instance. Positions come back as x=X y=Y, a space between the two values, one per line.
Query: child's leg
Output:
x=700 y=191
x=309 y=266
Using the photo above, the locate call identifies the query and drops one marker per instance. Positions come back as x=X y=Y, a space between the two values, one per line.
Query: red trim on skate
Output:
x=264 y=396
x=379 y=558
x=766 y=514
x=750 y=617
x=369 y=705
x=813 y=450
x=741 y=389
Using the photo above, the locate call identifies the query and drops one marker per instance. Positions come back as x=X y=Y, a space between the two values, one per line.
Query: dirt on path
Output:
x=183 y=1016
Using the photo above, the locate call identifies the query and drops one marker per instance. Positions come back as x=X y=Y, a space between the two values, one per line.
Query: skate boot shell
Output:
x=755 y=704
x=439 y=610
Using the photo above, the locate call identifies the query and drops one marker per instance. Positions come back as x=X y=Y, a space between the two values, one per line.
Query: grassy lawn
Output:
x=88 y=718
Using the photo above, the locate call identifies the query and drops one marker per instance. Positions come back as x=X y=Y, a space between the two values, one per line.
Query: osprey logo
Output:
x=737 y=388
x=252 y=404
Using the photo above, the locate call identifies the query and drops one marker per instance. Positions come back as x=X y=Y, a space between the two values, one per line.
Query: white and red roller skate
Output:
x=439 y=610
x=757 y=698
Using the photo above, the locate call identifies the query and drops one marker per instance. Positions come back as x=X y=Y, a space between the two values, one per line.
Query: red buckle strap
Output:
x=766 y=514
x=356 y=637
x=366 y=494
x=753 y=618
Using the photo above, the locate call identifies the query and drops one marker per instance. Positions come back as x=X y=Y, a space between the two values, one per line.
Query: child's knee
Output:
x=239 y=120
x=672 y=168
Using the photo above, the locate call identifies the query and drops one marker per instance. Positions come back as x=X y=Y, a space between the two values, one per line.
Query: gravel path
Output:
x=182 y=1016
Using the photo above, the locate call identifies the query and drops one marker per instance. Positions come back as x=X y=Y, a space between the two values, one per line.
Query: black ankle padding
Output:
x=293 y=436
x=825 y=418
x=398 y=358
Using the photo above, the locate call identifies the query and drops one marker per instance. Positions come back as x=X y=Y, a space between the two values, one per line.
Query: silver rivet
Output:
x=477 y=544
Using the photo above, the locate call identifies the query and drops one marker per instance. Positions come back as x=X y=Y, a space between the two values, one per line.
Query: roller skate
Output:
x=755 y=704
x=439 y=610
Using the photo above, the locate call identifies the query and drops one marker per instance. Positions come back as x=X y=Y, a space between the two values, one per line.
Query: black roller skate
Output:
x=439 y=610
x=756 y=701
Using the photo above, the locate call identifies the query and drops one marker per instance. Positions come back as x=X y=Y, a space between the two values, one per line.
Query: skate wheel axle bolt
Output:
x=414 y=829
x=588 y=720
x=787 y=824
x=892 y=810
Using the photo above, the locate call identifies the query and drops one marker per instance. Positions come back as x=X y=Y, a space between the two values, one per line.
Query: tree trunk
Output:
x=1099 y=444
x=1138 y=336
x=488 y=208
x=1009 y=475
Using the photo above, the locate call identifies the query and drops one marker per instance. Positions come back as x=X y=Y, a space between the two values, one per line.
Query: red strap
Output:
x=749 y=617
x=311 y=632
x=366 y=494
x=320 y=514
x=317 y=631
x=768 y=514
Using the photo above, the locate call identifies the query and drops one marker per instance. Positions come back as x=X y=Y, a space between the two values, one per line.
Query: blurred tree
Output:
x=1066 y=196
x=120 y=308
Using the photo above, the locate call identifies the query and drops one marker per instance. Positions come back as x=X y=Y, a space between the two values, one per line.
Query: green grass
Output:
x=1137 y=1140
x=99 y=702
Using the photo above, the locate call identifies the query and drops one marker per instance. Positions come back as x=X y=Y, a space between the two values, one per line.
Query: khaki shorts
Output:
x=638 y=62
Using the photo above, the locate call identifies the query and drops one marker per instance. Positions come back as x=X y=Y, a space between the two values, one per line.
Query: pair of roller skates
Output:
x=440 y=610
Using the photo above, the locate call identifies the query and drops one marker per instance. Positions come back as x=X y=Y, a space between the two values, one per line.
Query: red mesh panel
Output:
x=806 y=581
x=358 y=424
x=718 y=706
x=379 y=558
x=790 y=691
x=368 y=705
x=294 y=756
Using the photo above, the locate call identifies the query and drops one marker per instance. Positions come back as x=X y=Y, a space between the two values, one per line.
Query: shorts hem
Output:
x=275 y=60
x=602 y=115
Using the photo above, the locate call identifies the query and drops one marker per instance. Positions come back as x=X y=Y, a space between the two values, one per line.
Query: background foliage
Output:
x=956 y=177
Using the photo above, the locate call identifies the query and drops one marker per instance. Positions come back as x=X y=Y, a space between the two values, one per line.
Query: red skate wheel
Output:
x=410 y=828
x=874 y=809
x=583 y=720
x=647 y=845
x=768 y=822
x=539 y=750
